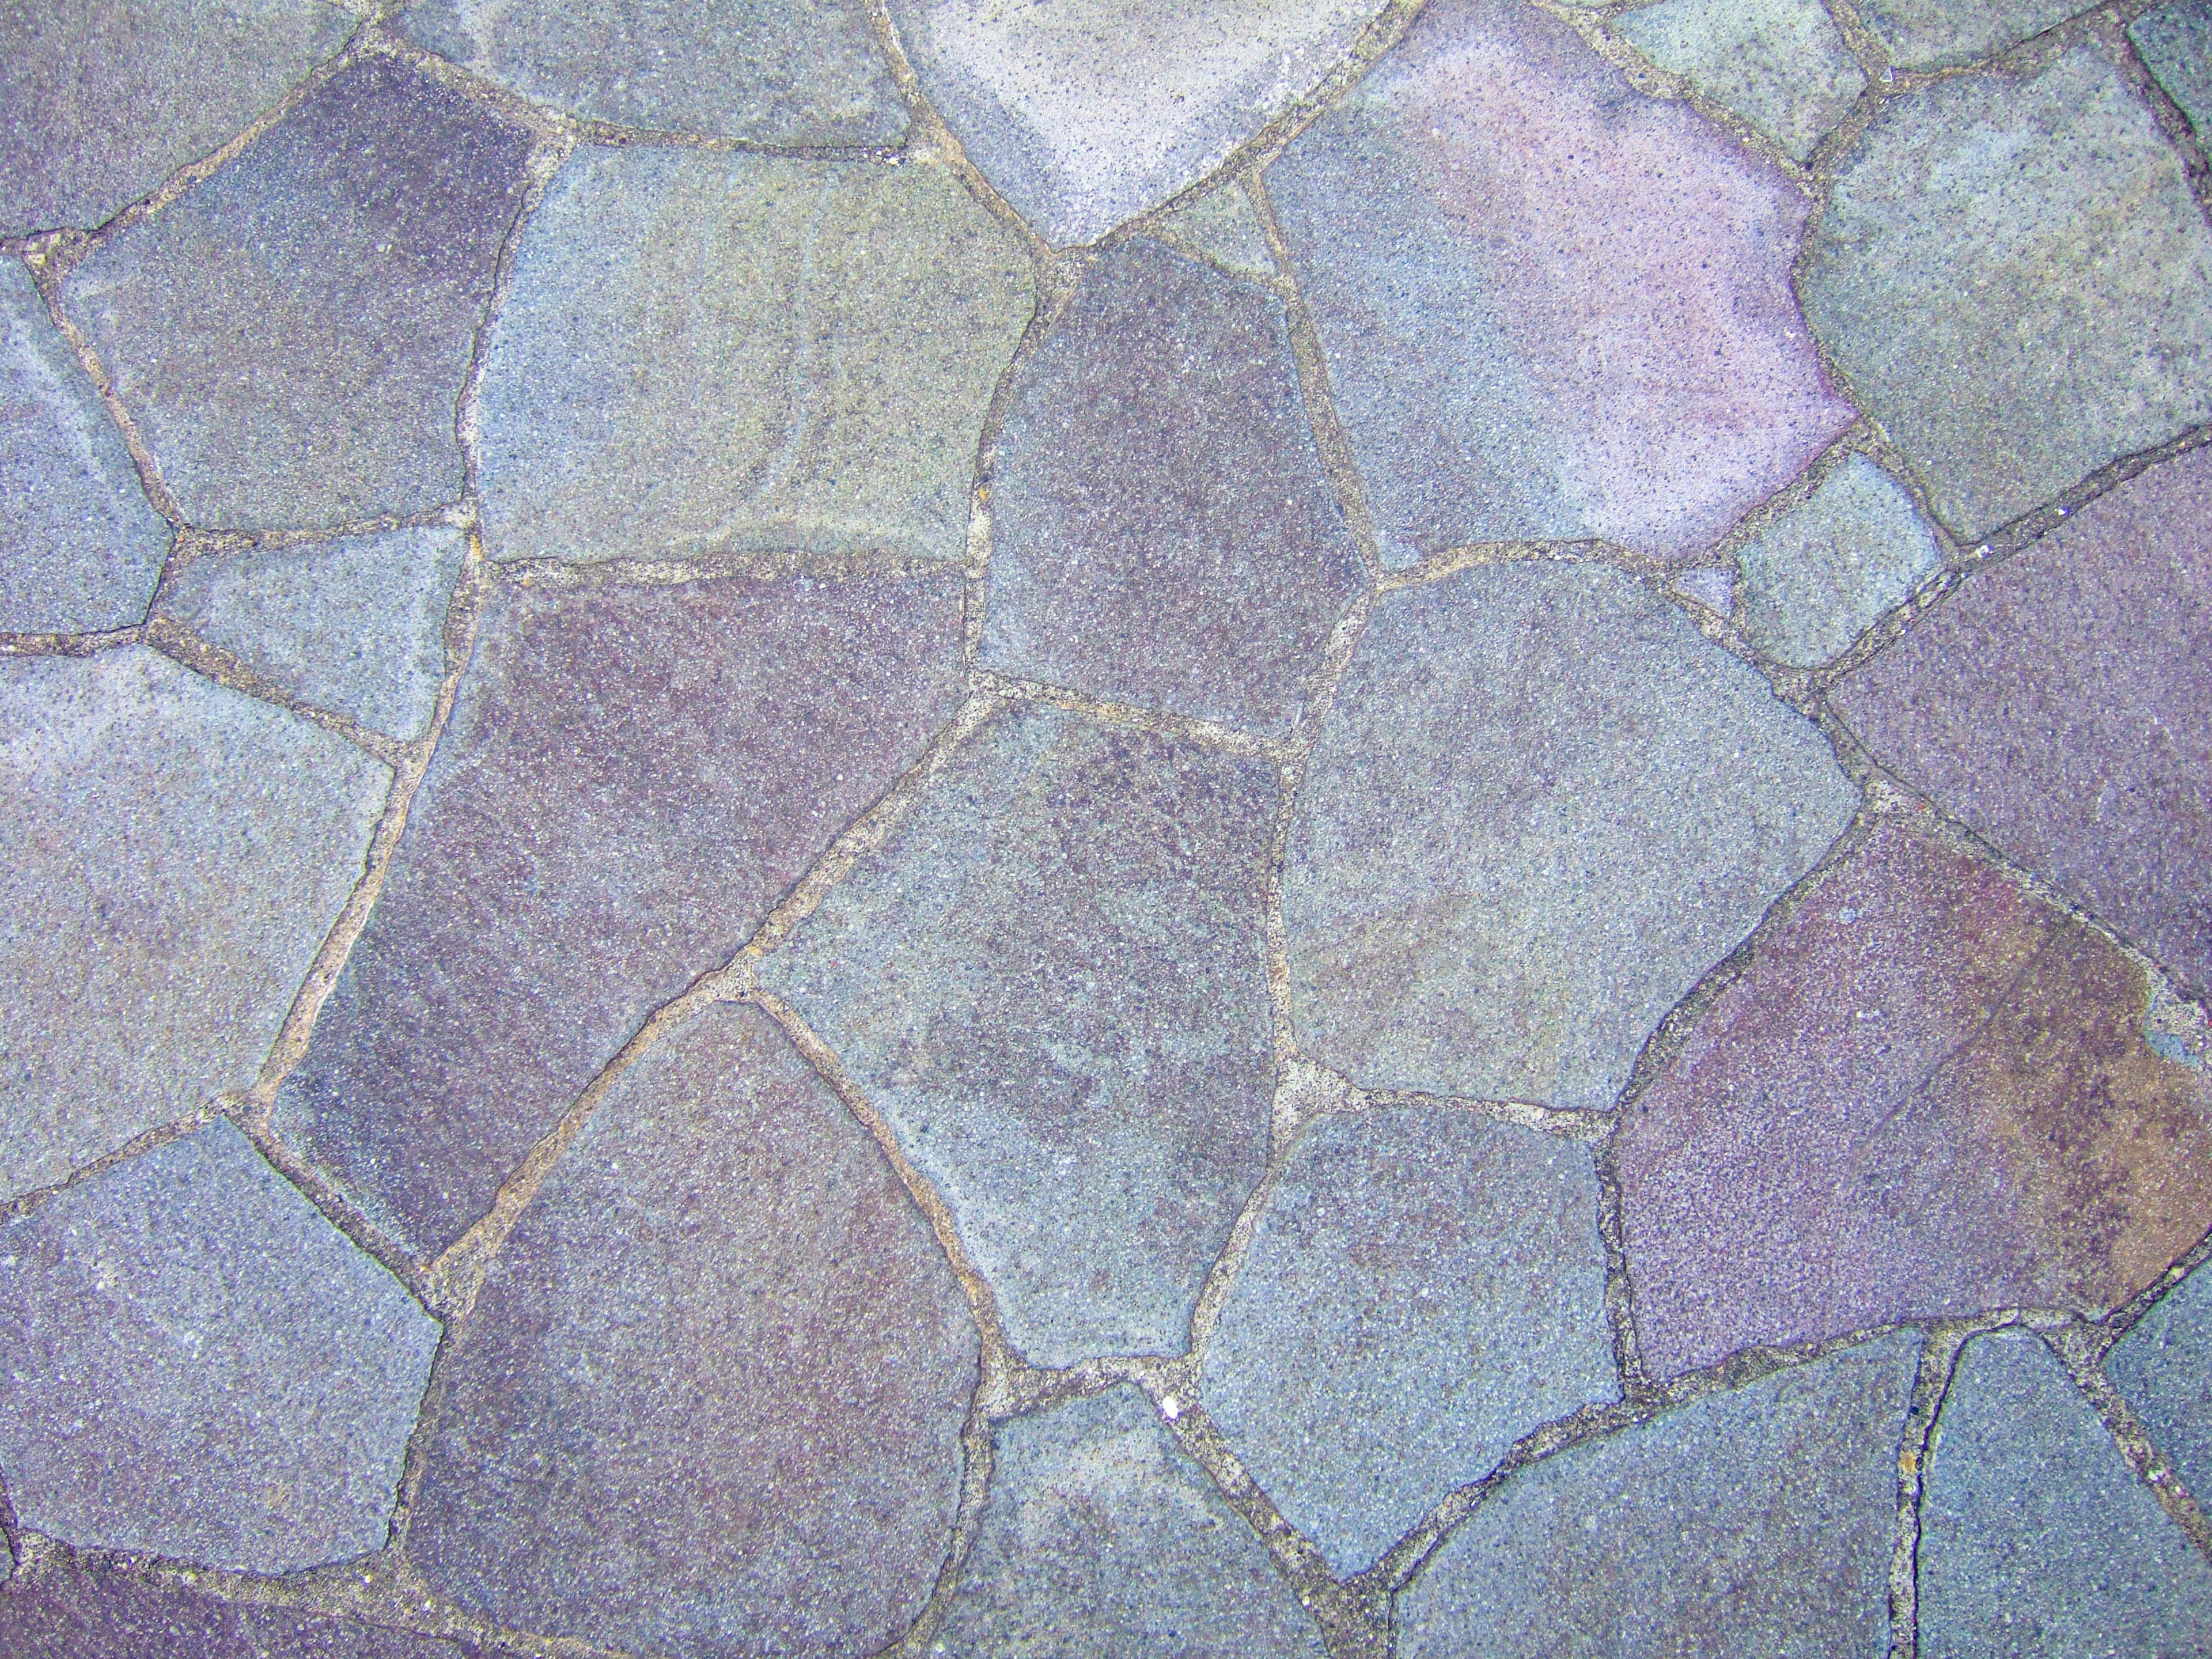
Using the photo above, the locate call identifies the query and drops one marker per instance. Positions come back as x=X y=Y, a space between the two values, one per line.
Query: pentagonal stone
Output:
x=1101 y=1537
x=1425 y=1286
x=2035 y=1535
x=105 y=99
x=2175 y=42
x=174 y=854
x=1928 y=1093
x=1757 y=1522
x=80 y=546
x=1087 y=113
x=631 y=776
x=1933 y=33
x=1550 y=308
x=2055 y=703
x=709 y=1399
x=707 y=350
x=1051 y=980
x=2015 y=277
x=291 y=335
x=1223 y=227
x=774 y=74
x=1818 y=577
x=194 y=1363
x=1541 y=806
x=1781 y=64
x=1162 y=532
x=2164 y=1367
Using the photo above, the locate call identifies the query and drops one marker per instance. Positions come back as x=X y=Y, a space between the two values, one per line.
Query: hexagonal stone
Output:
x=1162 y=532
x=773 y=74
x=1781 y=64
x=1755 y=1521
x=1933 y=33
x=2055 y=703
x=1051 y=980
x=2035 y=1535
x=2015 y=277
x=1550 y=308
x=709 y=1399
x=82 y=545
x=194 y=1363
x=630 y=778
x=1101 y=1537
x=2164 y=1367
x=707 y=350
x=2175 y=42
x=1425 y=1286
x=1928 y=1093
x=291 y=335
x=1541 y=806
x=1818 y=577
x=173 y=855
x=105 y=99
x=1223 y=227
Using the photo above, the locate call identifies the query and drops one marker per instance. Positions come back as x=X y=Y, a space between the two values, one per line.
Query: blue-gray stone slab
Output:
x=1783 y=65
x=1815 y=578
x=2164 y=1368
x=2175 y=42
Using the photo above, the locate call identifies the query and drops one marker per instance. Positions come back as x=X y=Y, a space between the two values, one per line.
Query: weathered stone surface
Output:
x=710 y=1398
x=1162 y=532
x=80 y=546
x=1711 y=585
x=1425 y=1286
x=1051 y=980
x=709 y=350
x=2175 y=42
x=1756 y=1521
x=2055 y=703
x=1541 y=806
x=2001 y=247
x=2164 y=1367
x=100 y=102
x=630 y=778
x=2035 y=1535
x=1928 y=1093
x=1224 y=227
x=355 y=626
x=773 y=73
x=174 y=854
x=193 y=1362
x=1930 y=34
x=291 y=335
x=1084 y=114
x=1101 y=1537
x=1781 y=64
x=1815 y=579
x=1550 y=307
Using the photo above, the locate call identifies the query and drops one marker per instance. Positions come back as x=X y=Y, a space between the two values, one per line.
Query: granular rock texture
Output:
x=1781 y=65
x=2164 y=1369
x=1853 y=552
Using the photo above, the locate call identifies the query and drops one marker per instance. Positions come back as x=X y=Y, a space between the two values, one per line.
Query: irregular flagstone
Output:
x=1757 y=1522
x=173 y=855
x=2175 y=42
x=705 y=351
x=80 y=546
x=1712 y=586
x=1051 y=981
x=2035 y=1535
x=1816 y=579
x=1084 y=114
x=710 y=1397
x=630 y=778
x=104 y=100
x=1101 y=1537
x=1541 y=806
x=1998 y=247
x=1224 y=227
x=1425 y=1286
x=1928 y=1093
x=1932 y=33
x=773 y=73
x=291 y=335
x=2057 y=704
x=194 y=1363
x=1550 y=308
x=1162 y=532
x=2164 y=1368
x=1783 y=65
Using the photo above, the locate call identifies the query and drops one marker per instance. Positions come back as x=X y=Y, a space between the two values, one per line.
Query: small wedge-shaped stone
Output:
x=1550 y=308
x=1815 y=578
x=1781 y=64
x=2175 y=42
x=1223 y=227
x=2164 y=1368
x=707 y=351
x=291 y=335
x=1051 y=980
x=171 y=856
x=195 y=1363
x=1541 y=806
x=1101 y=1537
x=1935 y=33
x=709 y=1399
x=1757 y=1522
x=630 y=778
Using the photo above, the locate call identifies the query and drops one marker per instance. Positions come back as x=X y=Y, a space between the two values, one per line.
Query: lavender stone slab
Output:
x=1783 y=65
x=2164 y=1367
x=2175 y=42
x=1935 y=33
x=1818 y=578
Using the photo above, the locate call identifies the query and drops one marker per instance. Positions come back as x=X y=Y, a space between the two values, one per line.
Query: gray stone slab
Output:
x=1816 y=579
x=1934 y=34
x=1783 y=65
x=2175 y=42
x=2164 y=1367
x=1223 y=226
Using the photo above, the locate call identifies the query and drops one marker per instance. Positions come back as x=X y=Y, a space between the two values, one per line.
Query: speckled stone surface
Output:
x=1938 y=34
x=2175 y=42
x=1222 y=226
x=1817 y=577
x=1783 y=65
x=2163 y=1366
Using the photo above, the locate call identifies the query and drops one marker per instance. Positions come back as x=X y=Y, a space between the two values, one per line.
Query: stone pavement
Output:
x=1254 y=827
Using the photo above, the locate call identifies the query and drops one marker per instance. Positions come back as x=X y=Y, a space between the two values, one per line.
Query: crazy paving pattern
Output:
x=953 y=828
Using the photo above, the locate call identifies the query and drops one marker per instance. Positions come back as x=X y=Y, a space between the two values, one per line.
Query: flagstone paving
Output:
x=942 y=827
